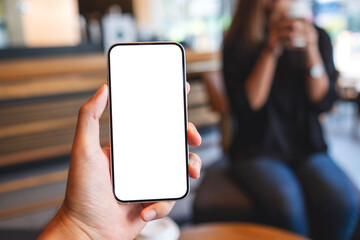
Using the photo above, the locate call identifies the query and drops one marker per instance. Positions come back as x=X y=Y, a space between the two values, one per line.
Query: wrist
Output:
x=272 y=51
x=62 y=226
x=312 y=51
x=313 y=56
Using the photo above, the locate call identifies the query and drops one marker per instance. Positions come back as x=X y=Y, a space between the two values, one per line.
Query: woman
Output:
x=277 y=87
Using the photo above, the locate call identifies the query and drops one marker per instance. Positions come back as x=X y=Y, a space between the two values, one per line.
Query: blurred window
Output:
x=200 y=23
x=341 y=19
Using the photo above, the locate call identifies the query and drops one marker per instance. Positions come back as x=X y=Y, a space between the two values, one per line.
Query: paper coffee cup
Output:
x=161 y=229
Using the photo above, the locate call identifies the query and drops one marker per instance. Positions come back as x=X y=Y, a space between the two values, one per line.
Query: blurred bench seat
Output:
x=39 y=102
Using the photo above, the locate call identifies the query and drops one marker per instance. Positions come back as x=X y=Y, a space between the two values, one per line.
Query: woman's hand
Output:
x=285 y=32
x=297 y=34
x=90 y=210
x=273 y=44
x=302 y=36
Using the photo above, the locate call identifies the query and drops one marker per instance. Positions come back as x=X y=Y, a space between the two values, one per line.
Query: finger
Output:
x=87 y=129
x=193 y=135
x=187 y=88
x=298 y=27
x=194 y=165
x=277 y=15
x=284 y=32
x=293 y=42
x=156 y=211
x=286 y=39
x=287 y=43
x=286 y=23
x=294 y=26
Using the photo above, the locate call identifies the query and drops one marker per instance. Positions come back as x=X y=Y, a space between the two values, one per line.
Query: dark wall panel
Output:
x=87 y=7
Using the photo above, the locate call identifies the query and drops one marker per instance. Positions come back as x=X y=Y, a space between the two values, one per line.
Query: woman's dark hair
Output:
x=248 y=22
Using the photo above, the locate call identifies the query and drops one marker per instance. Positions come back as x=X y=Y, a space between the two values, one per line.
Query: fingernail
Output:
x=188 y=86
x=196 y=165
x=150 y=215
x=194 y=130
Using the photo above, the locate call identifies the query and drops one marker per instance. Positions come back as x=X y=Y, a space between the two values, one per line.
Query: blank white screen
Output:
x=148 y=122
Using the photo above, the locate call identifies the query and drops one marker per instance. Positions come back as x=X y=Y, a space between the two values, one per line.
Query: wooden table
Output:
x=236 y=231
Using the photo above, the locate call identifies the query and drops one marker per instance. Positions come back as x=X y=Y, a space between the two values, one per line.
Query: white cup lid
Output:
x=161 y=229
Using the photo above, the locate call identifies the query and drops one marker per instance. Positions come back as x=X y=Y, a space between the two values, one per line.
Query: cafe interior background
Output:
x=52 y=58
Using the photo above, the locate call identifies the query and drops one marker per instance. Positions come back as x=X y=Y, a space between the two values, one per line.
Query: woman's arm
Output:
x=317 y=86
x=259 y=83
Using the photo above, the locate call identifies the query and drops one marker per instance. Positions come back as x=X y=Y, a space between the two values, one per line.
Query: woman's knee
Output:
x=330 y=192
x=287 y=210
x=344 y=208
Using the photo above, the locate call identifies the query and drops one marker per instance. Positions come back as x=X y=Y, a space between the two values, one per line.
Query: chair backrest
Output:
x=216 y=91
x=219 y=102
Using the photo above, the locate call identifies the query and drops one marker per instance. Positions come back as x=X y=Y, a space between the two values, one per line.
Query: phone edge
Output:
x=185 y=120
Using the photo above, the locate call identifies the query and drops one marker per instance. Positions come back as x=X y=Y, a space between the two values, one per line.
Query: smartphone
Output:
x=148 y=121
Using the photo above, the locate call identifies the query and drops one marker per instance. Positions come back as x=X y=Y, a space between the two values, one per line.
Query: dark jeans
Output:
x=315 y=198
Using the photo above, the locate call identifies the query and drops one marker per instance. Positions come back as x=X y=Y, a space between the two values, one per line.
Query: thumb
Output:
x=87 y=129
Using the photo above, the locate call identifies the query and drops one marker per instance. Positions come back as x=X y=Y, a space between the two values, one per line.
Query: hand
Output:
x=292 y=34
x=90 y=209
x=273 y=43
x=292 y=30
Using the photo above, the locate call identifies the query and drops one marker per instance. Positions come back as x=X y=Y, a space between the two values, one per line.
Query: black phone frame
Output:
x=185 y=121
